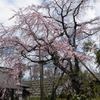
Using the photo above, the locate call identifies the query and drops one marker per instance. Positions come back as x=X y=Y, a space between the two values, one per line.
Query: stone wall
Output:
x=35 y=86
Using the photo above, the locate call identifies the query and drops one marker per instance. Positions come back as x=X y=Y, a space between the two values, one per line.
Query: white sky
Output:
x=6 y=7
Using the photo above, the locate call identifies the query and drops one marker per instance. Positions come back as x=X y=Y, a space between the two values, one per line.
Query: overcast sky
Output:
x=6 y=7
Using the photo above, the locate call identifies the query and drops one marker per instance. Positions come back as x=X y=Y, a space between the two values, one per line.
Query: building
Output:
x=9 y=90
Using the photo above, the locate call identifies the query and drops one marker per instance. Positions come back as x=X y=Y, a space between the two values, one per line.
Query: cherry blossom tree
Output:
x=51 y=32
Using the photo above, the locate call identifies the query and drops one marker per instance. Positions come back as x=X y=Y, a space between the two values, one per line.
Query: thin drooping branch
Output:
x=88 y=69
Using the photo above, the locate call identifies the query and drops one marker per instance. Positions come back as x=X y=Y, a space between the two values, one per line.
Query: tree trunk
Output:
x=41 y=78
x=12 y=94
x=55 y=87
x=41 y=82
x=75 y=82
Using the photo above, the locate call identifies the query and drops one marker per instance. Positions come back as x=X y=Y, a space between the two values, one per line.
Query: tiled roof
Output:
x=4 y=78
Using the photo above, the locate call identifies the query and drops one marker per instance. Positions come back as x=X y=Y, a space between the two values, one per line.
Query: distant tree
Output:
x=98 y=57
x=34 y=72
x=91 y=47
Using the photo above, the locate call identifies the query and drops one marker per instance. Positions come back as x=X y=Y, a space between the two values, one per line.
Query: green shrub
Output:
x=34 y=99
x=96 y=98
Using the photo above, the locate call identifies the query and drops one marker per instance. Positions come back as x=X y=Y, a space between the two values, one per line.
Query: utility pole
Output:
x=41 y=78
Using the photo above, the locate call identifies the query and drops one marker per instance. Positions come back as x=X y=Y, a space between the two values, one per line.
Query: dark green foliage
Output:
x=98 y=57
x=62 y=95
x=89 y=88
x=34 y=99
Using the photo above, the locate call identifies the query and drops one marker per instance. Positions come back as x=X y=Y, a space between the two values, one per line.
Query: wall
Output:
x=35 y=86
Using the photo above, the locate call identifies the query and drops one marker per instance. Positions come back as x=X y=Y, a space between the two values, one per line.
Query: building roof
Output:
x=10 y=82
